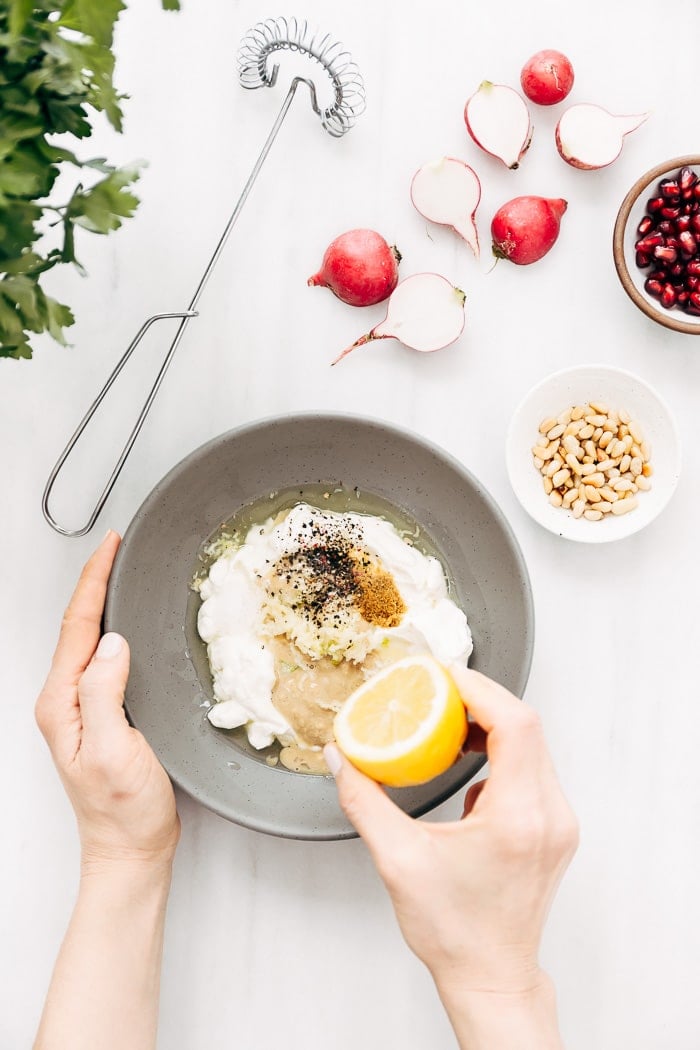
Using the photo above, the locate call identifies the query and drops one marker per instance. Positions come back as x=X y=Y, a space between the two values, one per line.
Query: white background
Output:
x=273 y=942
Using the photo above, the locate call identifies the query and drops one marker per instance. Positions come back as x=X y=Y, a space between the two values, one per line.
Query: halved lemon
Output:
x=405 y=725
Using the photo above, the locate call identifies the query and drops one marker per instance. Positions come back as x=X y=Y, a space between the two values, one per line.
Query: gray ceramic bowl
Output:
x=150 y=600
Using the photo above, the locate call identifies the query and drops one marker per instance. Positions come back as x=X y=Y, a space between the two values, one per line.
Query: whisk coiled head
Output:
x=292 y=34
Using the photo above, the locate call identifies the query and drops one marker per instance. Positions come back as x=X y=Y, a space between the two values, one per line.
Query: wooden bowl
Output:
x=625 y=235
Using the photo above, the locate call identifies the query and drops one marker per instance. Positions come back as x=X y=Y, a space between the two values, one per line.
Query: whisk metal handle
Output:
x=185 y=317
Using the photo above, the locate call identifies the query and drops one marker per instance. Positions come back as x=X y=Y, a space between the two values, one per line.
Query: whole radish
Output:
x=359 y=267
x=547 y=78
x=525 y=228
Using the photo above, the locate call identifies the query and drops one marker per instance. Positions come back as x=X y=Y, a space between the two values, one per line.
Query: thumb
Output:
x=374 y=816
x=101 y=687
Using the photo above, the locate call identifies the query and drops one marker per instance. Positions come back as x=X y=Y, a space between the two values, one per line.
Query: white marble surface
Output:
x=274 y=942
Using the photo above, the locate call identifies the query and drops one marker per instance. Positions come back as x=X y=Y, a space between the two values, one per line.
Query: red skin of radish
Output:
x=525 y=228
x=547 y=78
x=359 y=267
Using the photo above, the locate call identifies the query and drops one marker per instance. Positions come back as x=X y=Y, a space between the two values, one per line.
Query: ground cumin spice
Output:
x=378 y=598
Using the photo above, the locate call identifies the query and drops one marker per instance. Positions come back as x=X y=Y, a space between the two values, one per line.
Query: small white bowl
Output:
x=625 y=236
x=619 y=390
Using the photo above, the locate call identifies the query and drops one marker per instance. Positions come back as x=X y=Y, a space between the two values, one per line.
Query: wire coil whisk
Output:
x=265 y=39
x=292 y=34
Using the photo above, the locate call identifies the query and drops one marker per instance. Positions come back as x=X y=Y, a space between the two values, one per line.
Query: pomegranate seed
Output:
x=690 y=309
x=666 y=227
x=682 y=298
x=655 y=204
x=672 y=242
x=648 y=244
x=642 y=260
x=645 y=225
x=669 y=188
x=682 y=223
x=687 y=178
x=696 y=191
x=670 y=211
x=657 y=275
x=677 y=270
x=668 y=296
x=688 y=244
x=694 y=300
x=693 y=268
x=692 y=283
x=694 y=223
x=654 y=288
x=665 y=254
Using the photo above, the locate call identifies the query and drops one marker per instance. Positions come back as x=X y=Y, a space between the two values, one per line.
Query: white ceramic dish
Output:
x=618 y=389
x=631 y=212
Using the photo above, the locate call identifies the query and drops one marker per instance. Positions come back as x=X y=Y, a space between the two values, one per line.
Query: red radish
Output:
x=547 y=78
x=425 y=313
x=498 y=120
x=589 y=137
x=448 y=191
x=525 y=228
x=359 y=267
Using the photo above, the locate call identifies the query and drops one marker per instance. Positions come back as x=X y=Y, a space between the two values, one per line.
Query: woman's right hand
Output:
x=472 y=896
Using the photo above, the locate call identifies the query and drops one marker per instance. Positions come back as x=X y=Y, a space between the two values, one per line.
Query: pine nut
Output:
x=573 y=463
x=646 y=450
x=643 y=483
x=588 y=468
x=624 y=416
x=624 y=506
x=597 y=434
x=608 y=494
x=609 y=427
x=604 y=506
x=585 y=432
x=539 y=463
x=578 y=508
x=548 y=486
x=605 y=439
x=636 y=467
x=625 y=464
x=590 y=449
x=596 y=420
x=565 y=417
x=578 y=412
x=623 y=485
x=606 y=465
x=596 y=479
x=560 y=477
x=570 y=496
x=556 y=431
x=547 y=424
x=552 y=467
x=647 y=470
x=592 y=515
x=599 y=407
x=635 y=431
x=555 y=499
x=592 y=494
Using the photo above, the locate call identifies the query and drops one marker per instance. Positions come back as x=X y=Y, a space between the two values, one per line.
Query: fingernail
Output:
x=110 y=646
x=106 y=536
x=333 y=759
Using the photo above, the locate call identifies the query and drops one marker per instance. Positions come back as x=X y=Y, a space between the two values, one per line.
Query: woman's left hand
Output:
x=122 y=797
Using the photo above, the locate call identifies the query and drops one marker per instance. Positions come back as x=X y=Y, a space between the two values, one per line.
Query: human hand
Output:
x=472 y=896
x=122 y=797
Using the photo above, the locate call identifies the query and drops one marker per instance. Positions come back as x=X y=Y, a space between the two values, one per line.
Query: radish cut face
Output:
x=589 y=137
x=425 y=313
x=448 y=191
x=498 y=120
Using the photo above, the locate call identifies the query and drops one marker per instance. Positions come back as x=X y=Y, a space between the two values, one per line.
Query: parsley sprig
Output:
x=56 y=72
